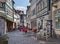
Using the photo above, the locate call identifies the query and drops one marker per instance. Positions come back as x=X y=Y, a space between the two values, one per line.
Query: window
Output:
x=1 y=4
x=41 y=24
x=33 y=11
x=57 y=19
x=41 y=6
x=9 y=12
x=9 y=0
x=9 y=3
x=37 y=8
x=44 y=3
x=53 y=1
x=33 y=2
x=21 y=17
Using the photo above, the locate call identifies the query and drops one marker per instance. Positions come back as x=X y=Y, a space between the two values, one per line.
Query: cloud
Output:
x=21 y=8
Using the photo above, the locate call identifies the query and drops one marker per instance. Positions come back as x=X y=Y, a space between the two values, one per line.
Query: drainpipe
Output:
x=50 y=16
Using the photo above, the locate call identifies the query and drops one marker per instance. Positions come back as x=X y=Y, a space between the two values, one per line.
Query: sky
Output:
x=21 y=5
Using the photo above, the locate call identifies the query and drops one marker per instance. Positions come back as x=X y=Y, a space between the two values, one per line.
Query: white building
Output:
x=17 y=19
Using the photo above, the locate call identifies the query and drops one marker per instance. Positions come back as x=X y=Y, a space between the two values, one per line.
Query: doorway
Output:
x=9 y=26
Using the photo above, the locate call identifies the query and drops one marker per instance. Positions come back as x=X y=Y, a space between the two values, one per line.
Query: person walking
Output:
x=19 y=28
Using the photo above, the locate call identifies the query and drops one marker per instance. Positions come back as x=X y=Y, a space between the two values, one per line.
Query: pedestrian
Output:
x=19 y=28
x=54 y=34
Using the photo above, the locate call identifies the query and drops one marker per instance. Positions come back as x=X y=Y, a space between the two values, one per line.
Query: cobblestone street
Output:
x=18 y=37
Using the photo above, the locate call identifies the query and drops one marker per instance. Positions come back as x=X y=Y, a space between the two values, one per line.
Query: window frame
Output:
x=57 y=19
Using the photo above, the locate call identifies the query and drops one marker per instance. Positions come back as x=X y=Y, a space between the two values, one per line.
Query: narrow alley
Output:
x=18 y=37
x=29 y=21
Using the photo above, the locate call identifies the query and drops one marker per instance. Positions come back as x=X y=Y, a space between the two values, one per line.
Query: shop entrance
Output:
x=9 y=26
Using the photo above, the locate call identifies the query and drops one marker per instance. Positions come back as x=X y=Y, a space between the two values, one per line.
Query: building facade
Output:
x=33 y=13
x=39 y=13
x=2 y=20
x=16 y=19
x=42 y=13
x=56 y=17
x=25 y=20
x=45 y=14
x=20 y=14
x=9 y=9
x=43 y=19
x=4 y=15
x=22 y=18
x=28 y=12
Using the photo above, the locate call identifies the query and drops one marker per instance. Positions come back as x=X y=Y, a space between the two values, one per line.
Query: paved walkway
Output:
x=18 y=37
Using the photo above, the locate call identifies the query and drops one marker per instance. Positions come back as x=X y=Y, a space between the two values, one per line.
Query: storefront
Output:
x=57 y=19
x=56 y=22
x=5 y=25
x=39 y=23
x=43 y=25
x=10 y=23
x=33 y=24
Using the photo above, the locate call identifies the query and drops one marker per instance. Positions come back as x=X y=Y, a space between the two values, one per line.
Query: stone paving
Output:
x=18 y=37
